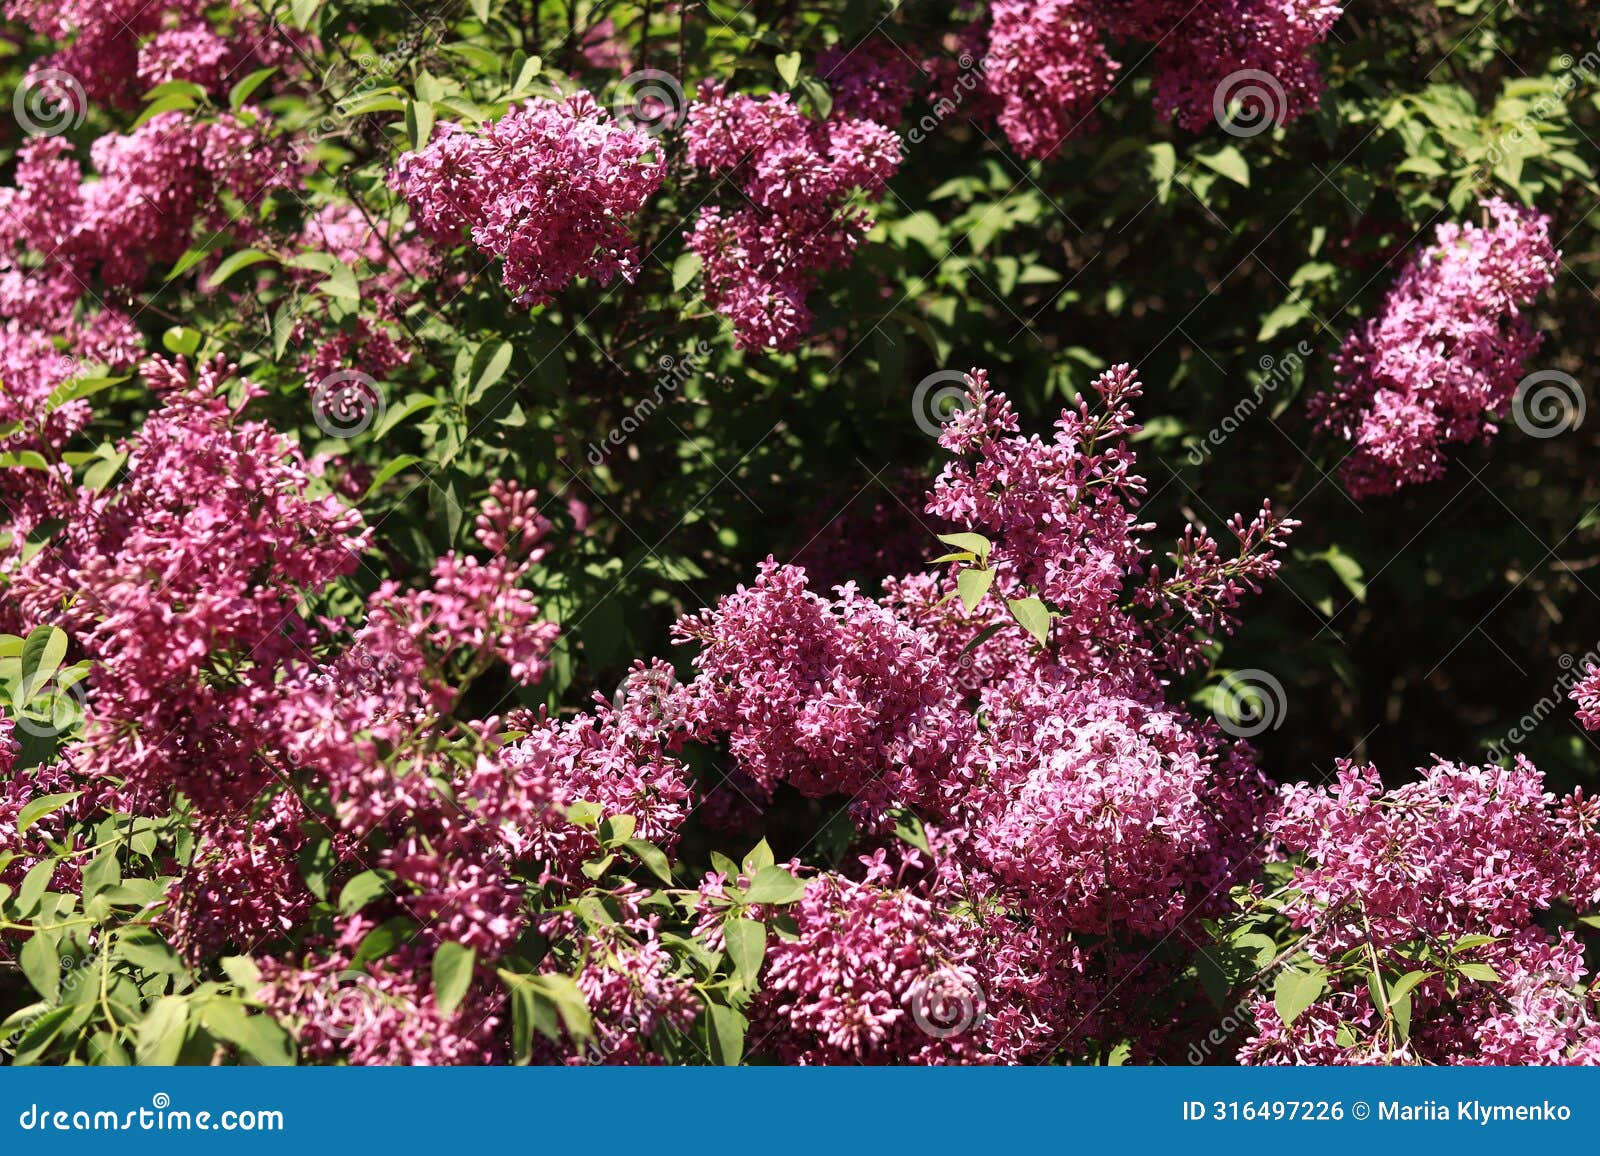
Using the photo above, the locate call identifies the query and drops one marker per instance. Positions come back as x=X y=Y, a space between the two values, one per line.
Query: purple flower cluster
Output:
x=1440 y=882
x=1048 y=65
x=793 y=219
x=549 y=189
x=1442 y=358
x=1072 y=807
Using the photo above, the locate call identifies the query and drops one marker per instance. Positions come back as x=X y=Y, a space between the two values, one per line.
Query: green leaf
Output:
x=23 y=460
x=747 y=947
x=42 y=653
x=1478 y=971
x=546 y=1004
x=163 y=1031
x=760 y=856
x=42 y=965
x=105 y=871
x=972 y=585
x=412 y=404
x=33 y=886
x=774 y=885
x=1400 y=1009
x=44 y=805
x=452 y=975
x=188 y=261
x=1402 y=986
x=973 y=543
x=727 y=1029
x=489 y=365
x=390 y=469
x=78 y=388
x=259 y=1038
x=173 y=101
x=684 y=270
x=789 y=68
x=652 y=857
x=233 y=263
x=419 y=122
x=381 y=940
x=584 y=814
x=145 y=950
x=908 y=828
x=363 y=889
x=1295 y=991
x=242 y=91
x=617 y=829
x=1033 y=616
x=1230 y=162
x=181 y=341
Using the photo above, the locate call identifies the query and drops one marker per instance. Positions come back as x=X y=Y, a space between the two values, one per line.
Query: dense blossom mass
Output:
x=1442 y=359
x=795 y=174
x=338 y=742
x=549 y=189
x=1438 y=885
x=1048 y=65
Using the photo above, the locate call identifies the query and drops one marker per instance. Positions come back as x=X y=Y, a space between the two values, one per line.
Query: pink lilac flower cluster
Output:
x=1085 y=812
x=1464 y=859
x=121 y=48
x=1442 y=358
x=1586 y=693
x=198 y=555
x=793 y=219
x=549 y=189
x=1047 y=66
x=871 y=79
x=874 y=974
x=67 y=238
